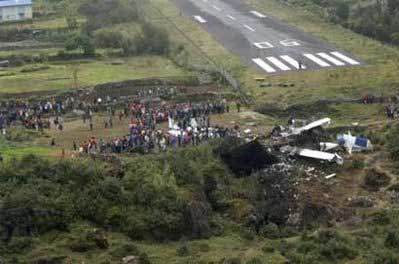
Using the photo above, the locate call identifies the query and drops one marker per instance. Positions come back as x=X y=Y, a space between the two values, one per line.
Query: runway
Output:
x=261 y=40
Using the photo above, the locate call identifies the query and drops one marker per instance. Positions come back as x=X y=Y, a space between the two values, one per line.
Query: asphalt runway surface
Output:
x=263 y=41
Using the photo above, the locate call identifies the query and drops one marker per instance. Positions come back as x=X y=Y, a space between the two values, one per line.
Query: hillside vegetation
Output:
x=375 y=19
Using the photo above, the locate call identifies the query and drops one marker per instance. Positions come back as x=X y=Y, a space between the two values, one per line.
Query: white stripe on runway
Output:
x=256 y=13
x=331 y=59
x=317 y=60
x=292 y=62
x=248 y=27
x=231 y=17
x=261 y=63
x=200 y=19
x=278 y=63
x=345 y=58
x=217 y=8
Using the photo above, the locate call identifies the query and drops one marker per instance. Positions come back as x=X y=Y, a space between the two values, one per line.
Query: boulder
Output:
x=130 y=260
x=98 y=237
x=362 y=202
x=197 y=215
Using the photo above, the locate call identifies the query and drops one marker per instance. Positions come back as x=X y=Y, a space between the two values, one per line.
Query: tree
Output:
x=395 y=38
x=81 y=41
x=71 y=15
x=101 y=13
x=75 y=76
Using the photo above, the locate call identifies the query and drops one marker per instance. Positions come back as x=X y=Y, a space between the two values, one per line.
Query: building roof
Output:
x=6 y=3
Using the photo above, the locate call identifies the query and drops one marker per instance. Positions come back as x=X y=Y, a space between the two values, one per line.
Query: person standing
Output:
x=238 y=107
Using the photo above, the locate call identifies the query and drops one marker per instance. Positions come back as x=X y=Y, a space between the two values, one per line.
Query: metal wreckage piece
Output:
x=283 y=136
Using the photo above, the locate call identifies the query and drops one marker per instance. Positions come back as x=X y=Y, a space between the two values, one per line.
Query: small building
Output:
x=15 y=10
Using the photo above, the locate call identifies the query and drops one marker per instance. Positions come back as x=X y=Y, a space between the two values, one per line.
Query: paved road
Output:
x=268 y=44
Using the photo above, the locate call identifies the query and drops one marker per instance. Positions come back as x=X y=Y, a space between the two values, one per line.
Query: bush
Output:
x=81 y=41
x=124 y=250
x=232 y=261
x=144 y=259
x=392 y=239
x=268 y=248
x=183 y=251
x=374 y=179
x=17 y=245
x=254 y=261
x=393 y=142
x=101 y=14
x=107 y=38
x=271 y=231
x=383 y=256
x=35 y=68
x=380 y=218
x=358 y=164
x=81 y=245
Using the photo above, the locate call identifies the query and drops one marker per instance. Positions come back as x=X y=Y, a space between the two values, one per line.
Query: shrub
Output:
x=203 y=247
x=17 y=245
x=358 y=164
x=107 y=38
x=268 y=248
x=374 y=179
x=393 y=142
x=124 y=250
x=383 y=256
x=35 y=68
x=271 y=231
x=81 y=245
x=380 y=218
x=232 y=261
x=392 y=239
x=144 y=259
x=254 y=261
x=82 y=42
x=183 y=251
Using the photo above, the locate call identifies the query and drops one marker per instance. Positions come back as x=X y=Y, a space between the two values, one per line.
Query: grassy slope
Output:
x=91 y=72
x=16 y=151
x=229 y=245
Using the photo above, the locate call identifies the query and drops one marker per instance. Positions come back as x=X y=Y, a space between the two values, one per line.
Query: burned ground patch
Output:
x=248 y=158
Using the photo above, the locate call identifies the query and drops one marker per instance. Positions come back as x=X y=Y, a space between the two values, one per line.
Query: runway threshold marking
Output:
x=262 y=64
x=278 y=63
x=249 y=28
x=200 y=19
x=256 y=13
x=316 y=60
x=217 y=8
x=292 y=62
x=345 y=58
x=331 y=59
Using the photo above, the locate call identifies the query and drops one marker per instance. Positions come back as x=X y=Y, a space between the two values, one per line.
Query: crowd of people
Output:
x=42 y=114
x=188 y=124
